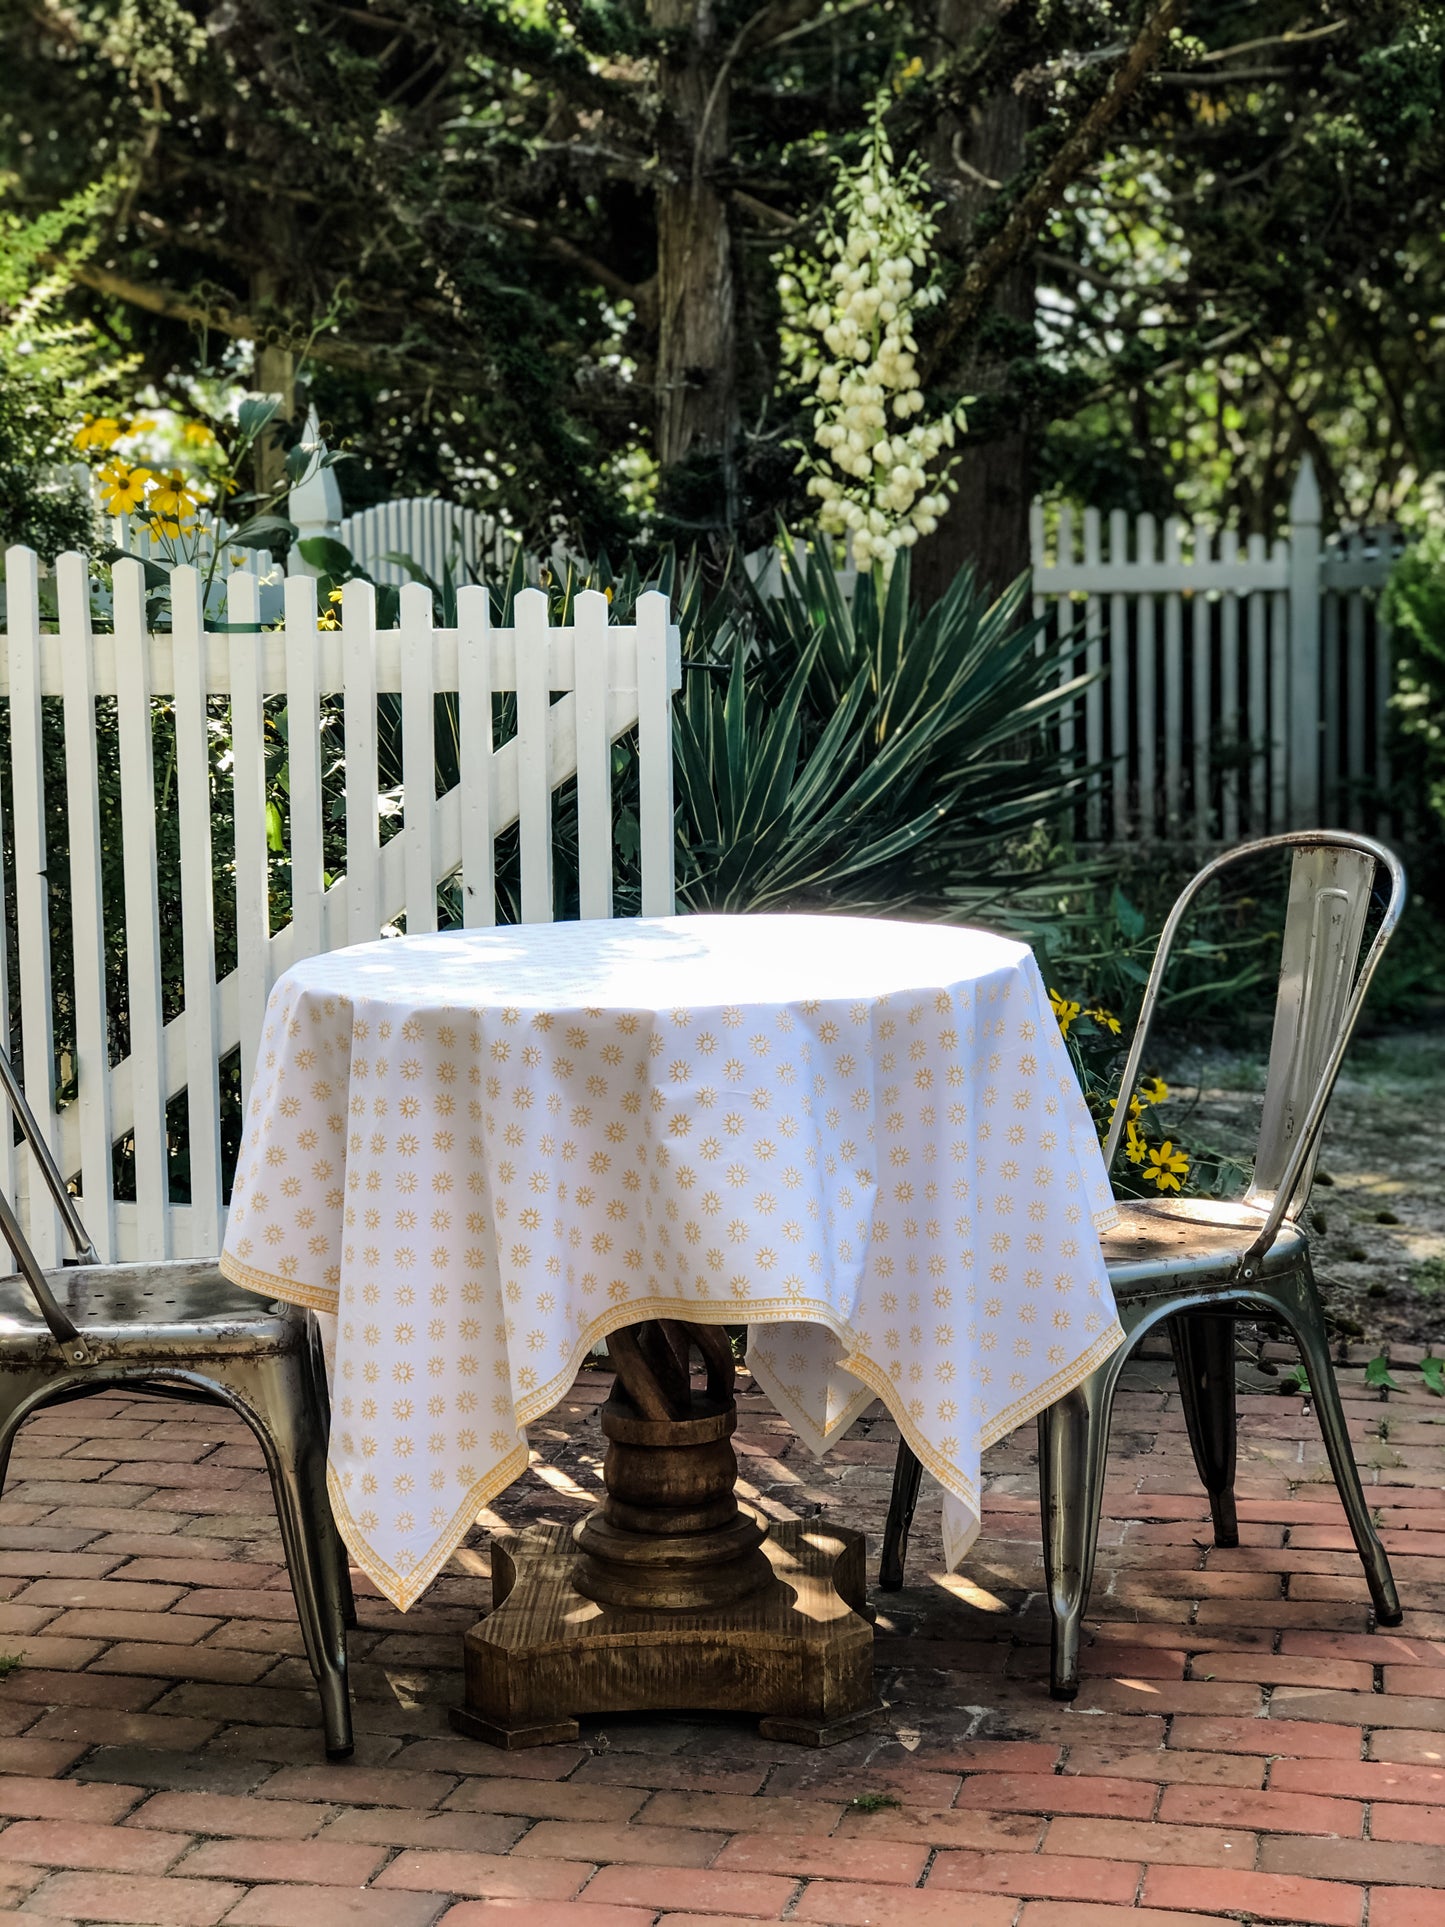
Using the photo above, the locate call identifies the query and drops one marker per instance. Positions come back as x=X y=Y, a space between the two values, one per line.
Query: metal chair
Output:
x=1200 y=1263
x=182 y=1330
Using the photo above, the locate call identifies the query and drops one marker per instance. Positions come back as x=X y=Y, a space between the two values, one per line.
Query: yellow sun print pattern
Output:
x=484 y=1150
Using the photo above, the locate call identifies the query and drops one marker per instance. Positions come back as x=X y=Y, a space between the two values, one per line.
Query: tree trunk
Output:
x=273 y=373
x=988 y=522
x=696 y=420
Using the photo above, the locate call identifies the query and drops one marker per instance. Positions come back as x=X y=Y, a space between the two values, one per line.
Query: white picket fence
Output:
x=1247 y=686
x=146 y=698
x=436 y=535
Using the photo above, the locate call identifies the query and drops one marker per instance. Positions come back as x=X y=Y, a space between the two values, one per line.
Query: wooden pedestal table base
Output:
x=673 y=1596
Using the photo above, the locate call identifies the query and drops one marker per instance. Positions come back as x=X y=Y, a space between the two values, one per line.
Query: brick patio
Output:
x=1244 y=1747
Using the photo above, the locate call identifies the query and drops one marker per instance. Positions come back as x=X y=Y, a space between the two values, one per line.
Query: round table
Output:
x=487 y=1151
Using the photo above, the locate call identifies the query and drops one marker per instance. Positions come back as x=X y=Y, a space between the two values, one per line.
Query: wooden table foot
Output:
x=798 y=1651
x=672 y=1597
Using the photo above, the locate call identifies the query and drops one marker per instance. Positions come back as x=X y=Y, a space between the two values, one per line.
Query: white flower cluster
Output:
x=848 y=319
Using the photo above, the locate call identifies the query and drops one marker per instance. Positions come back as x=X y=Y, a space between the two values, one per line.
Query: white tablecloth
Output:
x=485 y=1150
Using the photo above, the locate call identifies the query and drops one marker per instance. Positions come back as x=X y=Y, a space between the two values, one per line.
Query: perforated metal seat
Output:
x=1176 y=1238
x=1199 y=1263
x=182 y=1330
x=119 y=1306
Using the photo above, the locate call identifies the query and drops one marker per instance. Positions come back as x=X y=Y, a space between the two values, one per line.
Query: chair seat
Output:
x=183 y=1307
x=1192 y=1242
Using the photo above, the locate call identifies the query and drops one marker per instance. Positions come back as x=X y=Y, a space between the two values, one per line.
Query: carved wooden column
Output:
x=673 y=1595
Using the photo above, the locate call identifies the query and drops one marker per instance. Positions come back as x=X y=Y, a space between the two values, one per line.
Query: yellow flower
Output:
x=1065 y=1010
x=98 y=431
x=1166 y=1167
x=1134 y=1145
x=173 y=497
x=166 y=525
x=122 y=488
x=1153 y=1090
x=330 y=618
x=1136 y=1109
x=1106 y=1018
x=138 y=426
x=197 y=434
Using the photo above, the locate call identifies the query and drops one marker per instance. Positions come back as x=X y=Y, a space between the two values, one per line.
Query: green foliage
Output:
x=9 y=1662
x=468 y=251
x=48 y=366
x=1096 y=935
x=1377 y=1375
x=1415 y=606
x=1432 y=1370
x=861 y=749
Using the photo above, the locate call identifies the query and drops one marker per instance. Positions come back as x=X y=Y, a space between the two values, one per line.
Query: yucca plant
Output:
x=861 y=749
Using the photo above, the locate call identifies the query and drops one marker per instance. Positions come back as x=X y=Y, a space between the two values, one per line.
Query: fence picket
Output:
x=1280 y=698
x=1384 y=689
x=1173 y=687
x=248 y=803
x=303 y=760
x=659 y=672
x=1066 y=642
x=534 y=792
x=1200 y=727
x=197 y=911
x=478 y=776
x=1259 y=723
x=594 y=756
x=1356 y=700
x=142 y=913
x=1094 y=694
x=1332 y=665
x=1229 y=731
x=418 y=756
x=1119 y=677
x=7 y=1115
x=32 y=888
x=1147 y=705
x=363 y=822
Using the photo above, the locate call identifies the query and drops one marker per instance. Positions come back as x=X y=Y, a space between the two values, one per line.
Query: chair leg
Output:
x=276 y=1395
x=1073 y=1447
x=1204 y=1365
x=17 y=1398
x=907 y=1474
x=1298 y=1300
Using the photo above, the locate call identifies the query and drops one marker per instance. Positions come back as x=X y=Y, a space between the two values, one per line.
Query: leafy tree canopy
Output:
x=522 y=250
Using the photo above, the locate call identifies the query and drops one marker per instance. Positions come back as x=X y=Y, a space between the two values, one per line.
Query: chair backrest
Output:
x=1324 y=927
x=1322 y=986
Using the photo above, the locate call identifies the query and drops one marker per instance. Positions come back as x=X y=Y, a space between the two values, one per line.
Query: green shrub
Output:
x=1415 y=607
x=862 y=750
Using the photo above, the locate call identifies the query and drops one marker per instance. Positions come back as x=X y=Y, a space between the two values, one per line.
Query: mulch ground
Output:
x=1377 y=1215
x=1245 y=1746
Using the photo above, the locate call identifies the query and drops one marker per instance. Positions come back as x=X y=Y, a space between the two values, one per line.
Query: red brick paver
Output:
x=1229 y=1757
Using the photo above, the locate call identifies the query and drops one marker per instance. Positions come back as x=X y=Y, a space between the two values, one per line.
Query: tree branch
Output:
x=1275 y=40
x=394 y=363
x=639 y=293
x=1039 y=200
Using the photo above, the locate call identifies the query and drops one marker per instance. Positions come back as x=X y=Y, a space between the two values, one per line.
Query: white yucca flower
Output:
x=848 y=336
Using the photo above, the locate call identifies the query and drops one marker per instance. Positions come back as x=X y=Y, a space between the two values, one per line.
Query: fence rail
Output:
x=184 y=887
